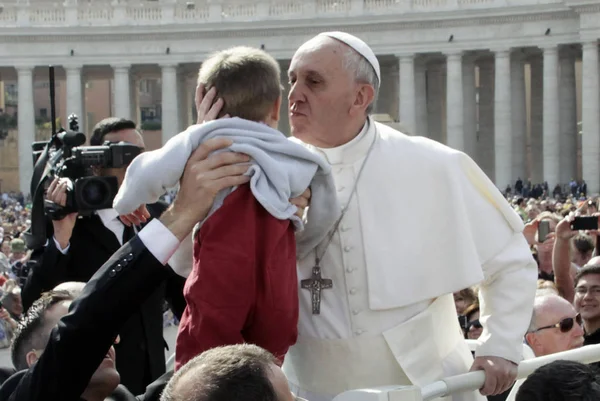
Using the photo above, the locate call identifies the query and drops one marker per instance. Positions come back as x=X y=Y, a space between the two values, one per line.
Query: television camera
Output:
x=65 y=157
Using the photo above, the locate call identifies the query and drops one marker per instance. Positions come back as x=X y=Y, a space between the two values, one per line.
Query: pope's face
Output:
x=322 y=92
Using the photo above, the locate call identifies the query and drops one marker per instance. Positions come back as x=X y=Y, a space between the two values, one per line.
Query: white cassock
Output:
x=425 y=222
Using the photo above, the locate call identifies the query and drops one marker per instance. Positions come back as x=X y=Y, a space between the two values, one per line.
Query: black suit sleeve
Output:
x=174 y=285
x=174 y=293
x=48 y=269
x=81 y=340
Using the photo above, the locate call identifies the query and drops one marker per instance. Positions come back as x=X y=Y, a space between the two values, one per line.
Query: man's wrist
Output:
x=178 y=222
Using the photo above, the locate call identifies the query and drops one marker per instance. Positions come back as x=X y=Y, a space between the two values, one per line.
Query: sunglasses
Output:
x=564 y=325
x=475 y=324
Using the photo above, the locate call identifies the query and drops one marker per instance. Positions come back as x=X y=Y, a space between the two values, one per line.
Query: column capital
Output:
x=24 y=69
x=169 y=65
x=405 y=56
x=121 y=66
x=549 y=48
x=501 y=51
x=453 y=53
x=590 y=45
x=453 y=56
x=73 y=67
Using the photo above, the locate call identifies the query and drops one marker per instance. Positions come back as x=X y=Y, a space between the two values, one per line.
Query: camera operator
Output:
x=78 y=246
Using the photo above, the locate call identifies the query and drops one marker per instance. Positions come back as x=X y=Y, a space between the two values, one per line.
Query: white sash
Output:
x=420 y=351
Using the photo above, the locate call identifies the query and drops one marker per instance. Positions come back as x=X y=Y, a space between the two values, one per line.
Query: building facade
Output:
x=514 y=83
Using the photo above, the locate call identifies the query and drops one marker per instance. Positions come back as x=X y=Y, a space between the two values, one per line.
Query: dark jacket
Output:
x=81 y=339
x=140 y=353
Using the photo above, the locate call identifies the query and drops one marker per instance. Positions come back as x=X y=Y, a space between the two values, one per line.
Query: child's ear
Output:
x=276 y=111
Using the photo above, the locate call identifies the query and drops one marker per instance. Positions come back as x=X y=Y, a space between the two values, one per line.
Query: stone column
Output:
x=121 y=94
x=590 y=146
x=169 y=102
x=434 y=101
x=454 y=101
x=26 y=127
x=485 y=134
x=406 y=64
x=502 y=120
x=421 y=122
x=568 y=117
x=74 y=96
x=469 y=106
x=185 y=101
x=519 y=117
x=284 y=116
x=551 y=118
x=536 y=118
x=134 y=98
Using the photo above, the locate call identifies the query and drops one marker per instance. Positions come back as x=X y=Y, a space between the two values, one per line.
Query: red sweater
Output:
x=243 y=286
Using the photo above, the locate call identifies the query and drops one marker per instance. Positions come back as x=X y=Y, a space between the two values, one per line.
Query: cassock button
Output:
x=359 y=332
x=352 y=291
x=112 y=273
x=118 y=267
x=129 y=257
x=345 y=228
x=355 y=312
x=347 y=248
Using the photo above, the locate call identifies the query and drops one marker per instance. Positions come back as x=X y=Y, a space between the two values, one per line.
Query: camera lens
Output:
x=95 y=192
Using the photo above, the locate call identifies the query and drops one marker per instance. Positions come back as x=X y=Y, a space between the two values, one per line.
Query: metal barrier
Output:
x=466 y=382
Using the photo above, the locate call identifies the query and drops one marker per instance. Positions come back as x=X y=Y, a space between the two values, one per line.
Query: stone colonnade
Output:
x=472 y=101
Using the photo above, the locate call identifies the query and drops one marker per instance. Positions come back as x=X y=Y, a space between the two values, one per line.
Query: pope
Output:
x=384 y=311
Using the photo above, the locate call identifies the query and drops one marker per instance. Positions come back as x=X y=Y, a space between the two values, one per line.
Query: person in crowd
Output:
x=473 y=327
x=241 y=372
x=243 y=285
x=555 y=326
x=77 y=362
x=587 y=299
x=387 y=283
x=77 y=247
x=583 y=248
x=561 y=381
x=11 y=300
x=464 y=298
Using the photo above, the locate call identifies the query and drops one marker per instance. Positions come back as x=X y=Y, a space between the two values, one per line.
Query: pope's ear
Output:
x=365 y=96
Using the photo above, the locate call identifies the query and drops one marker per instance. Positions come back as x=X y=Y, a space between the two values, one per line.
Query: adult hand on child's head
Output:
x=207 y=107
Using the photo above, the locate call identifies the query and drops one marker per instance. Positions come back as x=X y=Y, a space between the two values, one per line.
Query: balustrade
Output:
x=15 y=13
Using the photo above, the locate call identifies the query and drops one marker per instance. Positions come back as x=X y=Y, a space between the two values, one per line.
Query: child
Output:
x=243 y=285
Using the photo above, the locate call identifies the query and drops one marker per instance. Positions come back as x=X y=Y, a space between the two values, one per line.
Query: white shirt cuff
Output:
x=63 y=251
x=161 y=242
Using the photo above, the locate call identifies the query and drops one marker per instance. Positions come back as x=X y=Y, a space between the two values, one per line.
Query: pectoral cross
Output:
x=315 y=284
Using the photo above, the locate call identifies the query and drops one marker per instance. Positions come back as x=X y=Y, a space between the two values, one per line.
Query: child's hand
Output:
x=301 y=202
x=141 y=215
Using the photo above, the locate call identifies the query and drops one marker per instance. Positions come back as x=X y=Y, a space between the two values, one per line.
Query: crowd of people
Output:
x=298 y=268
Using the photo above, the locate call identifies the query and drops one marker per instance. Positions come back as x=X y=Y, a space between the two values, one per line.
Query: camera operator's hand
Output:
x=204 y=177
x=63 y=229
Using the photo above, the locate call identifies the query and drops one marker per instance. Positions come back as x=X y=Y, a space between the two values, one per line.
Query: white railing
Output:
x=31 y=13
x=466 y=382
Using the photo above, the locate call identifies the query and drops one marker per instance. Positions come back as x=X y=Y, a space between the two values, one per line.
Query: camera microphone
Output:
x=71 y=139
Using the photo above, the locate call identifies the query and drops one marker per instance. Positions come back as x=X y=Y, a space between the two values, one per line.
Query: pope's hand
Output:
x=207 y=107
x=500 y=374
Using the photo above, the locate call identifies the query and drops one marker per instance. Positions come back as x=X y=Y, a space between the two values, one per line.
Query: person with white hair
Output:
x=385 y=314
